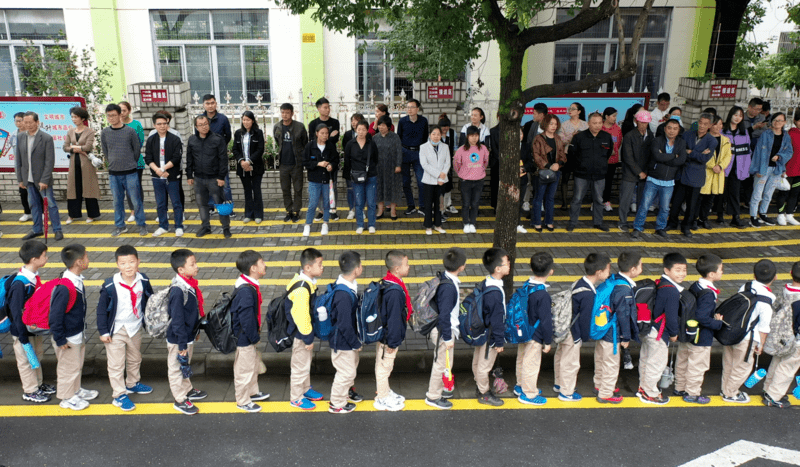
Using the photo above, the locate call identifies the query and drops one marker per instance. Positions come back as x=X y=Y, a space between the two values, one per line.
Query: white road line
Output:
x=743 y=451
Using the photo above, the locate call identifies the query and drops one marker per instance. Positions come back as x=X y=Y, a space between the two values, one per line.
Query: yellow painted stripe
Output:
x=400 y=209
x=416 y=405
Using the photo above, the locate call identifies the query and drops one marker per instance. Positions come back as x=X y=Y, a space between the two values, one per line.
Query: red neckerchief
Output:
x=392 y=278
x=792 y=289
x=716 y=291
x=196 y=286
x=38 y=280
x=770 y=290
x=258 y=290
x=133 y=296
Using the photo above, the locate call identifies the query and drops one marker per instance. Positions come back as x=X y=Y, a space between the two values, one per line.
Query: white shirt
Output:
x=655 y=118
x=491 y=281
x=304 y=277
x=77 y=281
x=31 y=139
x=246 y=146
x=240 y=281
x=762 y=311
x=456 y=308
x=125 y=316
x=631 y=282
x=162 y=158
x=533 y=281
x=29 y=275
x=707 y=284
x=351 y=285
x=680 y=288
x=321 y=147
x=591 y=284
x=483 y=129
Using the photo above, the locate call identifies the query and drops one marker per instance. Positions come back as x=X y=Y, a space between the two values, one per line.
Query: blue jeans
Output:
x=545 y=194
x=121 y=184
x=418 y=172
x=351 y=197
x=226 y=192
x=366 y=192
x=763 y=188
x=163 y=188
x=315 y=192
x=651 y=191
x=35 y=201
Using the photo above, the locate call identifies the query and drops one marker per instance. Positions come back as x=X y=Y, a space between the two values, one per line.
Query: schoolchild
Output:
x=496 y=262
x=345 y=345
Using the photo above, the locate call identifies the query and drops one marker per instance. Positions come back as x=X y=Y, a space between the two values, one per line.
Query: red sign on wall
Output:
x=153 y=95
x=440 y=92
x=723 y=91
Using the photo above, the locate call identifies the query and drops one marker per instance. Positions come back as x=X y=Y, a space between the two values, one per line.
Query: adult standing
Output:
x=23 y=192
x=34 y=167
x=715 y=172
x=346 y=138
x=449 y=139
x=629 y=123
x=739 y=168
x=248 y=149
x=175 y=132
x=535 y=125
x=610 y=126
x=324 y=108
x=125 y=115
x=121 y=147
x=435 y=159
x=320 y=159
x=82 y=178
x=549 y=153
x=380 y=111
x=413 y=132
x=787 y=200
x=164 y=154
x=755 y=122
x=635 y=157
x=675 y=113
x=291 y=138
x=390 y=163
x=569 y=128
x=363 y=156
x=659 y=115
x=206 y=167
x=590 y=150
x=773 y=151
x=221 y=126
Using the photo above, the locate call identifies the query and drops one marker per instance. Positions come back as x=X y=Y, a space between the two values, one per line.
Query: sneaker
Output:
x=623 y=228
x=770 y=402
x=203 y=232
x=318 y=217
x=353 y=396
x=472 y=229
x=570 y=227
x=307 y=230
x=304 y=404
x=702 y=400
x=766 y=220
x=227 y=233
x=87 y=394
x=601 y=227
x=246 y=220
x=538 y=400
x=518 y=390
x=251 y=407
x=37 y=396
x=521 y=229
x=179 y=232
x=610 y=400
x=661 y=233
x=334 y=216
x=633 y=207
x=755 y=222
x=186 y=407
x=441 y=404
x=25 y=218
x=143 y=231
x=440 y=230
x=452 y=210
x=410 y=211
x=47 y=389
x=348 y=407
x=360 y=230
x=740 y=398
x=388 y=404
x=131 y=219
x=196 y=395
x=259 y=396
x=74 y=403
x=658 y=400
x=259 y=220
x=139 y=388
x=791 y=220
x=428 y=232
x=119 y=231
x=447 y=394
x=675 y=392
x=607 y=206
x=124 y=402
x=574 y=397
x=490 y=399
x=396 y=396
x=596 y=391
x=466 y=228
x=295 y=217
x=288 y=217
x=313 y=395
x=556 y=389
x=651 y=209
x=635 y=233
x=371 y=230
x=159 y=232
x=68 y=221
x=351 y=215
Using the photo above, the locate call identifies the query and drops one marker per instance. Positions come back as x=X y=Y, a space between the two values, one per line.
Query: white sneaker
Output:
x=607 y=206
x=306 y=230
x=258 y=220
x=428 y=232
x=131 y=219
x=87 y=394
x=159 y=232
x=440 y=230
x=791 y=220
x=396 y=396
x=158 y=220
x=389 y=404
x=526 y=206
x=452 y=209
x=651 y=208
x=74 y=403
x=179 y=232
x=360 y=230
x=246 y=220
x=351 y=215
x=324 y=230
x=372 y=230
x=25 y=218
x=781 y=219
x=466 y=228
x=68 y=221
x=472 y=229
x=633 y=207
x=89 y=220
x=521 y=229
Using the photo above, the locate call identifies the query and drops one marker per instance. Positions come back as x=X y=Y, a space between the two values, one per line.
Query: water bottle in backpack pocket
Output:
x=518 y=327
x=603 y=317
x=688 y=326
x=321 y=315
x=471 y=320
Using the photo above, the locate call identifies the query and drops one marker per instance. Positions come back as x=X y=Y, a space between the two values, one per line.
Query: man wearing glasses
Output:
x=206 y=169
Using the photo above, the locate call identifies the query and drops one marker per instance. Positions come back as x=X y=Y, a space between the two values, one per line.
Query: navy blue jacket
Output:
x=244 y=315
x=668 y=300
x=693 y=173
x=343 y=320
x=582 y=305
x=494 y=315
x=394 y=309
x=540 y=309
x=624 y=307
x=18 y=293
x=796 y=317
x=65 y=323
x=107 y=305
x=220 y=125
x=704 y=313
x=446 y=299
x=185 y=317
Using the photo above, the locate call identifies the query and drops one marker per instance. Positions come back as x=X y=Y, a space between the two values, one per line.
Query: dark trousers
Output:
x=626 y=191
x=706 y=203
x=430 y=205
x=292 y=187
x=689 y=194
x=730 y=197
x=470 y=199
x=610 y=173
x=23 y=198
x=582 y=185
x=74 y=205
x=523 y=186
x=205 y=189
x=415 y=166
x=566 y=172
x=253 y=202
x=141 y=191
x=787 y=200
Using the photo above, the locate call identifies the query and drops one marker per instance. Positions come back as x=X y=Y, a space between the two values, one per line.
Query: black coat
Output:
x=173 y=152
x=664 y=166
x=256 y=152
x=588 y=154
x=312 y=156
x=635 y=154
x=206 y=157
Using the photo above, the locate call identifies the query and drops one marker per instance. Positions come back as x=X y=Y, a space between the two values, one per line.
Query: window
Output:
x=216 y=51
x=594 y=51
x=41 y=27
x=374 y=74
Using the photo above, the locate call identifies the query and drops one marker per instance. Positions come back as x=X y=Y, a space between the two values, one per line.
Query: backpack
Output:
x=644 y=294
x=426 y=310
x=781 y=340
x=370 y=320
x=218 y=324
x=5 y=286
x=156 y=315
x=278 y=320
x=736 y=312
x=518 y=327
x=561 y=310
x=603 y=317
x=36 y=316
x=324 y=328
x=471 y=321
x=688 y=326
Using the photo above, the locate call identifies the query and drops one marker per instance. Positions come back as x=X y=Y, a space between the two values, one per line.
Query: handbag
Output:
x=360 y=176
x=546 y=176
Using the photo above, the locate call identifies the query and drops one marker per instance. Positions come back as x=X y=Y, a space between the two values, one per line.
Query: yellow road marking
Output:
x=400 y=209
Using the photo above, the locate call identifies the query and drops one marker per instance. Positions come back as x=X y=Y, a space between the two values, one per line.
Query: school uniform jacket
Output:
x=539 y=309
x=582 y=304
x=394 y=304
x=66 y=323
x=494 y=315
x=107 y=305
x=446 y=299
x=668 y=300
x=18 y=293
x=183 y=327
x=244 y=315
x=704 y=313
x=343 y=320
x=624 y=307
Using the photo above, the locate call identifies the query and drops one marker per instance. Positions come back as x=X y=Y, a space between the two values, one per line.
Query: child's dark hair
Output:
x=595 y=262
x=308 y=256
x=796 y=272
x=30 y=250
x=765 y=271
x=673 y=258
x=126 y=250
x=72 y=253
x=541 y=263
x=628 y=260
x=178 y=258
x=349 y=261
x=394 y=258
x=454 y=259
x=246 y=260
x=707 y=263
x=493 y=257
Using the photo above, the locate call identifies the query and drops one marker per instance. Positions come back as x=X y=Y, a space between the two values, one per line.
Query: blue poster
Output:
x=592 y=102
x=54 y=119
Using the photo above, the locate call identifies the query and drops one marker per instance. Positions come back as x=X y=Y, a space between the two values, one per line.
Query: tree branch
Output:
x=621 y=34
x=581 y=22
x=497 y=19
x=586 y=5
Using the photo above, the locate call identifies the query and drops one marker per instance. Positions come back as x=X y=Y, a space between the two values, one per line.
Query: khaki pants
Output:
x=781 y=373
x=346 y=364
x=606 y=368
x=436 y=385
x=531 y=363
x=566 y=364
x=734 y=369
x=179 y=386
x=691 y=365
x=300 y=379
x=652 y=361
x=384 y=364
x=69 y=369
x=245 y=374
x=31 y=379
x=481 y=367
x=124 y=352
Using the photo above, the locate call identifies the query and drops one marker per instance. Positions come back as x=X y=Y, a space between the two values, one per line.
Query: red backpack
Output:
x=36 y=315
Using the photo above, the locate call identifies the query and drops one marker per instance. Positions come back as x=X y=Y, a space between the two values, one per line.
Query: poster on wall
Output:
x=592 y=102
x=54 y=119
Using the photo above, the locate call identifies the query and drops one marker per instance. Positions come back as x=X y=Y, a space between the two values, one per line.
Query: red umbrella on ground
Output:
x=447 y=374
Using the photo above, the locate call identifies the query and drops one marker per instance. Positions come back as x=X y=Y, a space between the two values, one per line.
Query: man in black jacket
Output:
x=590 y=150
x=163 y=154
x=635 y=156
x=207 y=158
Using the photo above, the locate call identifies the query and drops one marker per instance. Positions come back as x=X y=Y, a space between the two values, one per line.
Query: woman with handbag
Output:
x=320 y=159
x=773 y=151
x=82 y=178
x=363 y=156
x=434 y=156
x=549 y=154
x=248 y=149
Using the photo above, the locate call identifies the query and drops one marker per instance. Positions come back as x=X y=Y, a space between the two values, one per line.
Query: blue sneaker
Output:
x=304 y=404
x=518 y=390
x=538 y=400
x=124 y=403
x=139 y=388
x=574 y=397
x=557 y=389
x=313 y=395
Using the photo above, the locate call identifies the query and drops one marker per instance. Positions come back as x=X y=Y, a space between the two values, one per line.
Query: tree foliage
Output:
x=749 y=52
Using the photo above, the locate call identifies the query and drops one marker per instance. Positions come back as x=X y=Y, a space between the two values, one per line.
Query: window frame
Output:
x=13 y=44
x=370 y=42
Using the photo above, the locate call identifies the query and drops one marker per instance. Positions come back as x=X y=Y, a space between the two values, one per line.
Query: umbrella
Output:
x=46 y=213
x=447 y=374
x=332 y=196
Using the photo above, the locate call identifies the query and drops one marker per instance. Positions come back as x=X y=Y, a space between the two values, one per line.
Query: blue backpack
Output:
x=603 y=318
x=370 y=318
x=323 y=328
x=471 y=321
x=5 y=286
x=518 y=328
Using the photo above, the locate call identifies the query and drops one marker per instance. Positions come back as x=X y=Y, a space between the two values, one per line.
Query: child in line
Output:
x=67 y=326
x=123 y=300
x=470 y=164
x=246 y=323
x=539 y=311
x=397 y=309
x=782 y=369
x=344 y=342
x=497 y=263
x=694 y=358
x=446 y=331
x=185 y=311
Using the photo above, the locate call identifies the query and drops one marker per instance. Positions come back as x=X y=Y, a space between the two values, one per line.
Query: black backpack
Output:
x=736 y=312
x=219 y=324
x=278 y=321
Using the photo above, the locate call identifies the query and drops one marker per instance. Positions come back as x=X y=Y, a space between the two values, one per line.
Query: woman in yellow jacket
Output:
x=715 y=172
